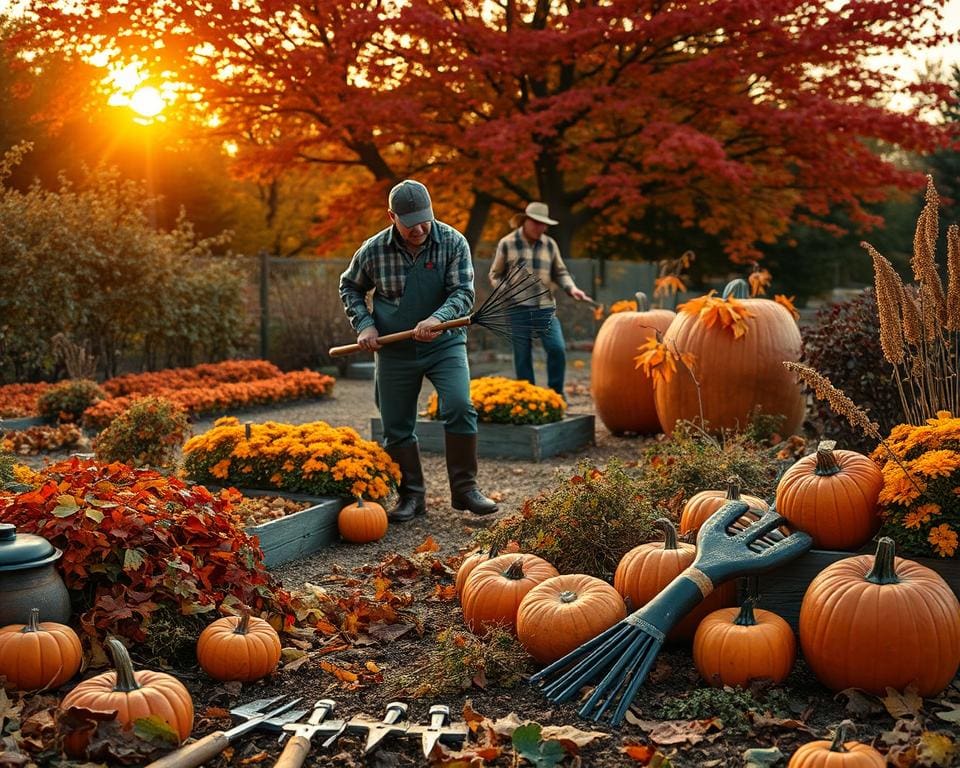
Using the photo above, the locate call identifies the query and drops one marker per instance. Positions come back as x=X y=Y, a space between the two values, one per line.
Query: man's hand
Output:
x=425 y=330
x=368 y=338
x=577 y=295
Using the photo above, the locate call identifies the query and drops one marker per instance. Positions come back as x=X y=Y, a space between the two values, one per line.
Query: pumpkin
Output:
x=133 y=695
x=471 y=561
x=733 y=647
x=244 y=648
x=648 y=568
x=362 y=522
x=874 y=622
x=832 y=495
x=39 y=655
x=622 y=393
x=837 y=753
x=735 y=377
x=703 y=504
x=563 y=612
x=492 y=593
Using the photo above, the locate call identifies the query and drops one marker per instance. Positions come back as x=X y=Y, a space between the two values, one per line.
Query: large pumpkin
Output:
x=648 y=568
x=492 y=593
x=362 y=522
x=243 y=648
x=832 y=495
x=838 y=753
x=134 y=695
x=733 y=647
x=703 y=504
x=565 y=611
x=736 y=378
x=874 y=622
x=623 y=394
x=39 y=655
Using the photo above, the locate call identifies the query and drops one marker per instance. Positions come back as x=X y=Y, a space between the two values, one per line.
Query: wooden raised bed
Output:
x=22 y=422
x=530 y=442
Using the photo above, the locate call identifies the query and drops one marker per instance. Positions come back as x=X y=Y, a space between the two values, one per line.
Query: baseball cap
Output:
x=410 y=201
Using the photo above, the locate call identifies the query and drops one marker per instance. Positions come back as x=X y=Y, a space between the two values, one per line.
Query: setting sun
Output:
x=147 y=102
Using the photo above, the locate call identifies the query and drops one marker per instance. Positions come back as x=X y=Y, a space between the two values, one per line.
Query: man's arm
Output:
x=355 y=284
x=499 y=266
x=458 y=281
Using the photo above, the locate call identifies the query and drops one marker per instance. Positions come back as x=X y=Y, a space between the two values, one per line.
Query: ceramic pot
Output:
x=29 y=578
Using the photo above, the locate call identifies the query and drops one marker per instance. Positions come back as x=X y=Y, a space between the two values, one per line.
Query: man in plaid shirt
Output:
x=421 y=275
x=529 y=245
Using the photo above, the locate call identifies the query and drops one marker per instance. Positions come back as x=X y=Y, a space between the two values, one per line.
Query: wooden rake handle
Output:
x=194 y=754
x=349 y=349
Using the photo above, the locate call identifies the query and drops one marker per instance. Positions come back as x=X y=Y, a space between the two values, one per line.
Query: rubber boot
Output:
x=462 y=470
x=412 y=490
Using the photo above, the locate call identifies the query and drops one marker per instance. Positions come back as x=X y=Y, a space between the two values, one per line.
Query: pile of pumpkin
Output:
x=46 y=655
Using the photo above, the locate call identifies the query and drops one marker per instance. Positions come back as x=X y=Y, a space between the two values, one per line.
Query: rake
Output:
x=621 y=657
x=501 y=312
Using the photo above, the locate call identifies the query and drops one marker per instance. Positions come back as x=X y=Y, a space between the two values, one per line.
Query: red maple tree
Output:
x=734 y=116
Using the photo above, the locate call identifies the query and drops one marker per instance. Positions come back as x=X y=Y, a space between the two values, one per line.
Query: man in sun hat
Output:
x=528 y=244
x=421 y=274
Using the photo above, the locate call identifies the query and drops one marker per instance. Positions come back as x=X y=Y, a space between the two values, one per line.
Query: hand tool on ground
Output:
x=214 y=743
x=393 y=724
x=620 y=658
x=439 y=729
x=295 y=752
x=518 y=288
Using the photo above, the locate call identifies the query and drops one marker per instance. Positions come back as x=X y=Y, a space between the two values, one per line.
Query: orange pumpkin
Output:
x=362 y=522
x=622 y=393
x=832 y=495
x=244 y=648
x=563 y=612
x=471 y=561
x=733 y=647
x=735 y=377
x=874 y=622
x=648 y=568
x=492 y=593
x=703 y=504
x=39 y=655
x=133 y=695
x=837 y=753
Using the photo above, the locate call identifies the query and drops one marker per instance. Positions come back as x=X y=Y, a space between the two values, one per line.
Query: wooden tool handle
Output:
x=349 y=349
x=294 y=754
x=194 y=754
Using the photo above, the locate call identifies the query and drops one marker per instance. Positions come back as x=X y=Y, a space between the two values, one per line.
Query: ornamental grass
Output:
x=500 y=400
x=312 y=458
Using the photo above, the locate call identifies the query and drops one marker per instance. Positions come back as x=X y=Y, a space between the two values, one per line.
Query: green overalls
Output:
x=400 y=367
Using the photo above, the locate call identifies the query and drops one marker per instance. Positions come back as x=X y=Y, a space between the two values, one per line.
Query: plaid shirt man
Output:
x=541 y=257
x=381 y=265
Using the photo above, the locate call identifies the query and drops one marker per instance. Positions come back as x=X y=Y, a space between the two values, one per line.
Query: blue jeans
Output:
x=553 y=345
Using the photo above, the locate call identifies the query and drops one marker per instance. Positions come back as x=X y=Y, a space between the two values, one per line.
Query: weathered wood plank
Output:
x=23 y=422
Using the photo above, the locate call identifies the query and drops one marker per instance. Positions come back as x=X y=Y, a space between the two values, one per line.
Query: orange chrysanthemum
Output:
x=712 y=310
x=944 y=540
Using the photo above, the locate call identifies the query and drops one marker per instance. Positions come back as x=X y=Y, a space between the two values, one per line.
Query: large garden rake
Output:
x=620 y=658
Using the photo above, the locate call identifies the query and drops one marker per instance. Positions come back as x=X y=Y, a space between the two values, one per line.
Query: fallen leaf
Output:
x=647 y=755
x=573 y=739
x=859 y=703
x=387 y=633
x=543 y=753
x=951 y=715
x=762 y=758
x=428 y=545
x=903 y=703
x=372 y=666
x=768 y=721
x=256 y=759
x=294 y=665
x=505 y=726
x=677 y=731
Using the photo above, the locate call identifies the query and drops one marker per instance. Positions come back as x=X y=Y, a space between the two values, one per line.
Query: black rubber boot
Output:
x=412 y=490
x=462 y=470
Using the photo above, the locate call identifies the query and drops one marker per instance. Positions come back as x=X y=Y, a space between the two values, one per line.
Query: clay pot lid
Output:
x=24 y=550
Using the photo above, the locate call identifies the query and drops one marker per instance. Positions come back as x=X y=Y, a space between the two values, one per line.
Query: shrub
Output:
x=148 y=433
x=68 y=400
x=843 y=344
x=584 y=524
x=500 y=400
x=6 y=468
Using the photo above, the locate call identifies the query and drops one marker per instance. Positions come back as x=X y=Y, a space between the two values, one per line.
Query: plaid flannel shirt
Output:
x=542 y=258
x=381 y=265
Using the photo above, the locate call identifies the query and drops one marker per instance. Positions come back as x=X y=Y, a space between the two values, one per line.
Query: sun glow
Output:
x=147 y=101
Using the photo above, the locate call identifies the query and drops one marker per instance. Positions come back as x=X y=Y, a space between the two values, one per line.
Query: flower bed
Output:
x=20 y=400
x=500 y=400
x=38 y=439
x=229 y=371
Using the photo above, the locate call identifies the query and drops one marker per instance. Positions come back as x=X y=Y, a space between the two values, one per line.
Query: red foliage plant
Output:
x=135 y=542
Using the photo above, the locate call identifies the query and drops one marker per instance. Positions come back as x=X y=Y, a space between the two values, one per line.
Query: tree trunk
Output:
x=479 y=212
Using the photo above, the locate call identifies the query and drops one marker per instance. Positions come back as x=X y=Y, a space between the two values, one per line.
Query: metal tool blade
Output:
x=320 y=710
x=253 y=722
x=430 y=735
x=396 y=711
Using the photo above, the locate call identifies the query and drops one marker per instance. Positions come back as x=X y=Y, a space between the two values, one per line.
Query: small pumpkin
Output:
x=832 y=495
x=39 y=655
x=837 y=753
x=733 y=647
x=876 y=621
x=492 y=593
x=243 y=648
x=133 y=695
x=565 y=611
x=648 y=568
x=703 y=504
x=362 y=522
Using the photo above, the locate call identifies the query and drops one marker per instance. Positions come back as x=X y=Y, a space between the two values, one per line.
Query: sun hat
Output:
x=410 y=201
x=536 y=211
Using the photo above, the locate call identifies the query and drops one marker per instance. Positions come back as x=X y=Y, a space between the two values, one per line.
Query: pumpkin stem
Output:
x=643 y=303
x=126 y=680
x=746 y=618
x=737 y=289
x=359 y=501
x=841 y=735
x=826 y=459
x=733 y=488
x=494 y=551
x=33 y=623
x=669 y=533
x=243 y=626
x=883 y=571
x=515 y=571
x=568 y=596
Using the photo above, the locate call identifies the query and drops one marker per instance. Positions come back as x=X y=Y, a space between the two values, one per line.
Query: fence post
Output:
x=264 y=305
